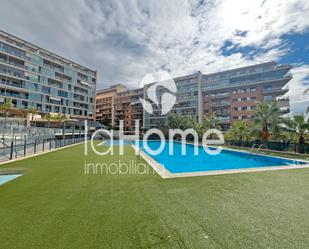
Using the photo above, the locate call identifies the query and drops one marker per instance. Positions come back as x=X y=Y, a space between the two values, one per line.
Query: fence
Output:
x=274 y=145
x=27 y=147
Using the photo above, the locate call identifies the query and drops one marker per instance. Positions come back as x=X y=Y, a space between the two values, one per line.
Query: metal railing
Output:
x=13 y=150
x=285 y=146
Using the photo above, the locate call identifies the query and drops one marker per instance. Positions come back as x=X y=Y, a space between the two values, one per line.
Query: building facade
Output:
x=34 y=77
x=134 y=111
x=105 y=104
x=188 y=101
x=232 y=95
x=117 y=103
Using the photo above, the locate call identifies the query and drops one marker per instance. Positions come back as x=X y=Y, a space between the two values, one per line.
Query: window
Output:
x=268 y=88
x=243 y=99
x=244 y=117
x=235 y=117
x=45 y=89
x=234 y=100
x=225 y=103
x=48 y=108
x=268 y=98
x=253 y=89
x=243 y=108
x=253 y=107
x=253 y=98
x=235 y=108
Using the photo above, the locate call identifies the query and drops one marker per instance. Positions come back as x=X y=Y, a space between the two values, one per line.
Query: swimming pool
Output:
x=227 y=160
x=114 y=143
x=7 y=178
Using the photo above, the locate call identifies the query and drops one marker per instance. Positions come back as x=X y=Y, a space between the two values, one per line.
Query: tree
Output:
x=297 y=126
x=33 y=112
x=59 y=118
x=173 y=121
x=267 y=114
x=188 y=122
x=48 y=117
x=211 y=121
x=5 y=108
x=200 y=130
x=302 y=126
x=288 y=126
x=241 y=130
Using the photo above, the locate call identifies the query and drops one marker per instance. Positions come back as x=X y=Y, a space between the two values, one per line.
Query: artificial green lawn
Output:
x=55 y=205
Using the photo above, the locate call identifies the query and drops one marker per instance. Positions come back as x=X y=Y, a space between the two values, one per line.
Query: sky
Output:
x=125 y=40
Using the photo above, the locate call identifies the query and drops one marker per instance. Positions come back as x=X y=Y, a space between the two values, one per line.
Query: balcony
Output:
x=224 y=119
x=275 y=90
x=220 y=95
x=283 y=102
x=284 y=109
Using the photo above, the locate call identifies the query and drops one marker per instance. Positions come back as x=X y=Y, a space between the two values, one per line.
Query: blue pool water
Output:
x=115 y=143
x=226 y=160
x=7 y=178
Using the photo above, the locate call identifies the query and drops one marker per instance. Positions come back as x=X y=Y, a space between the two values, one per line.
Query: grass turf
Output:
x=55 y=205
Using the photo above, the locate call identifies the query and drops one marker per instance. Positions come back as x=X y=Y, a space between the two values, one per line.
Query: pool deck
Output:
x=165 y=174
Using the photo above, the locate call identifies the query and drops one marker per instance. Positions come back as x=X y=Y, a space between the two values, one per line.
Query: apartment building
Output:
x=232 y=95
x=34 y=77
x=188 y=100
x=134 y=111
x=117 y=103
x=105 y=104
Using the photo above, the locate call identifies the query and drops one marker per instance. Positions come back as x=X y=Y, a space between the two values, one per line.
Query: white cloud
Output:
x=125 y=40
x=299 y=89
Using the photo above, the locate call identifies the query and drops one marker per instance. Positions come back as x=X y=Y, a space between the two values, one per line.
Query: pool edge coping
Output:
x=9 y=180
x=157 y=167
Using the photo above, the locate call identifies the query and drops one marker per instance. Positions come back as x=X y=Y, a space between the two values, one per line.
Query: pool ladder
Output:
x=258 y=148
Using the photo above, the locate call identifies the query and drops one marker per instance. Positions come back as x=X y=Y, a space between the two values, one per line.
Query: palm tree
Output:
x=48 y=117
x=173 y=121
x=288 y=126
x=59 y=118
x=32 y=111
x=211 y=121
x=241 y=130
x=266 y=114
x=302 y=126
x=297 y=126
x=5 y=108
x=188 y=122
x=200 y=130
